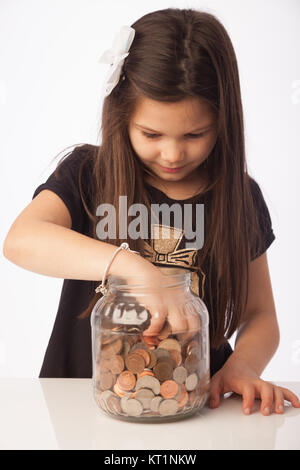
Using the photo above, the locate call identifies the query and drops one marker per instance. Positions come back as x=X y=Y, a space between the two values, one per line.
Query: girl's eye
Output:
x=153 y=136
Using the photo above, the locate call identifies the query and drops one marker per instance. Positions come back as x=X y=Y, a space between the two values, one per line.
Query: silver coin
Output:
x=191 y=382
x=155 y=403
x=144 y=395
x=134 y=407
x=168 y=407
x=180 y=374
x=148 y=381
x=123 y=402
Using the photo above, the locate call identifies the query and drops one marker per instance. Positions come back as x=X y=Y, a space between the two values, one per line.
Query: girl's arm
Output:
x=41 y=240
x=256 y=343
x=258 y=338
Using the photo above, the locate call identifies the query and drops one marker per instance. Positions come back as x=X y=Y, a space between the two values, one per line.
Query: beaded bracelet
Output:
x=101 y=288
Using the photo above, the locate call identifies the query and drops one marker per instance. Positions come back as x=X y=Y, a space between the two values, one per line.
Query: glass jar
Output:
x=142 y=378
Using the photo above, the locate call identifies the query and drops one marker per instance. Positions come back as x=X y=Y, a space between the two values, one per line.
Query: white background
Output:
x=50 y=97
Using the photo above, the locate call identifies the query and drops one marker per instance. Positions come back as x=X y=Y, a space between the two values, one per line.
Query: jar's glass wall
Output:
x=161 y=377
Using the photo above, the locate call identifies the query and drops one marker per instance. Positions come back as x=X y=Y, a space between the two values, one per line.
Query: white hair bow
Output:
x=115 y=57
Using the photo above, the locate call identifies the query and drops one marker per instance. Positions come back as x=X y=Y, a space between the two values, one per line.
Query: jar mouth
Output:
x=174 y=277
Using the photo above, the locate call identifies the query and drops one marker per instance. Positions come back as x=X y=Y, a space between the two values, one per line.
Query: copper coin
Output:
x=112 y=348
x=144 y=354
x=169 y=389
x=135 y=363
x=106 y=380
x=118 y=391
x=153 y=359
x=116 y=364
x=126 y=380
x=104 y=364
x=145 y=372
x=176 y=356
x=163 y=370
x=170 y=343
x=191 y=363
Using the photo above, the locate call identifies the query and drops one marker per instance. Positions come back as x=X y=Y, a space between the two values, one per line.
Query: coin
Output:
x=153 y=359
x=169 y=389
x=106 y=380
x=155 y=403
x=168 y=407
x=161 y=352
x=163 y=370
x=116 y=364
x=118 y=391
x=176 y=356
x=134 y=407
x=135 y=363
x=148 y=382
x=183 y=397
x=180 y=374
x=144 y=395
x=112 y=348
x=102 y=397
x=146 y=372
x=191 y=363
x=170 y=343
x=144 y=354
x=126 y=380
x=191 y=382
x=123 y=403
x=113 y=404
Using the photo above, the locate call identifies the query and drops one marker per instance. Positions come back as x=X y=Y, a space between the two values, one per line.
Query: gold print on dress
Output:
x=163 y=250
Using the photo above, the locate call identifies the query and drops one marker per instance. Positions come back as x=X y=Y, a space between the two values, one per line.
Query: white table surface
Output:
x=62 y=414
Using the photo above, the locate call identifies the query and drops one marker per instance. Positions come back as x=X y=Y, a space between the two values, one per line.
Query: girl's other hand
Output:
x=236 y=376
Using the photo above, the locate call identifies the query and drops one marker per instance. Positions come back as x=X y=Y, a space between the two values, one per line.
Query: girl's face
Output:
x=171 y=135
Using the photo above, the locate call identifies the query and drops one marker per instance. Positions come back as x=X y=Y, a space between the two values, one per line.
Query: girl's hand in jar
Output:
x=167 y=304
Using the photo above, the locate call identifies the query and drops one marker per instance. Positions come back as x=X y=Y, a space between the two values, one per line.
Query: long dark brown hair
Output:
x=176 y=54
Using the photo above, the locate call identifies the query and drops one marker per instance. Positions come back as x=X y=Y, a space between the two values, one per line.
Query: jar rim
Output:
x=175 y=277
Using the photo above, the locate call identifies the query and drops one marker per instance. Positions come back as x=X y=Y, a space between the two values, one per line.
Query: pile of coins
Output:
x=140 y=375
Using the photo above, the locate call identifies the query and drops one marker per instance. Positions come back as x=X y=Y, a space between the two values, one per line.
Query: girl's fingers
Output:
x=279 y=400
x=267 y=397
x=176 y=319
x=248 y=398
x=158 y=314
x=290 y=396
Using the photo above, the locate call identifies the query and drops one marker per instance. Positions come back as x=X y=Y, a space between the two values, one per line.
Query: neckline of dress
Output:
x=192 y=198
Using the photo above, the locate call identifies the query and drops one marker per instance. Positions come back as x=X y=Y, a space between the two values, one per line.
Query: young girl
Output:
x=172 y=132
